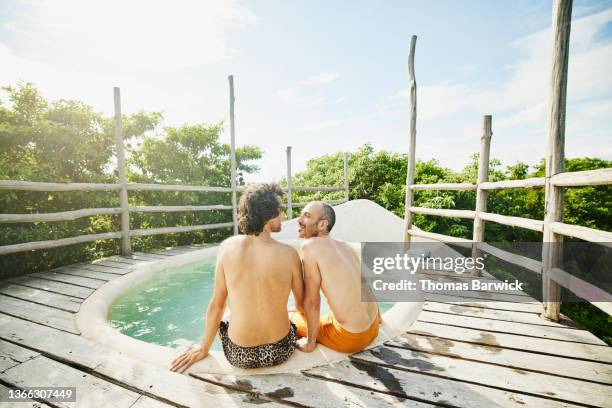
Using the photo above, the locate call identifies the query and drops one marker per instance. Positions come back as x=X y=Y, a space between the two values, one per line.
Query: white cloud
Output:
x=519 y=103
x=131 y=35
x=324 y=78
x=526 y=89
x=301 y=93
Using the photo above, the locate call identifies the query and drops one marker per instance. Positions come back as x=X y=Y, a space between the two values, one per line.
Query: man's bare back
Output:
x=341 y=282
x=256 y=273
x=259 y=275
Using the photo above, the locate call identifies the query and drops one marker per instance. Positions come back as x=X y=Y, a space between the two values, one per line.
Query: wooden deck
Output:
x=474 y=354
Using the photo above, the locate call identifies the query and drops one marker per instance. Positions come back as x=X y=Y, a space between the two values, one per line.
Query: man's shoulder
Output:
x=286 y=248
x=231 y=241
x=310 y=246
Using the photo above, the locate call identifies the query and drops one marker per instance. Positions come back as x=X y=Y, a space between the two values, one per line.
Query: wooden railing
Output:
x=125 y=209
x=556 y=180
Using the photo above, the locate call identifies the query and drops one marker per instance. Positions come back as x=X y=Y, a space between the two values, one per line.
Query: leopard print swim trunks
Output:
x=263 y=355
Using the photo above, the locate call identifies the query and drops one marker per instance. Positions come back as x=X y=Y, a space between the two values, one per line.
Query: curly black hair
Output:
x=259 y=204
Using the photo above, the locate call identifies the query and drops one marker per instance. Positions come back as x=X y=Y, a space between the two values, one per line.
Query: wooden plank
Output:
x=178 y=208
x=425 y=388
x=439 y=237
x=152 y=380
x=597 y=177
x=411 y=162
x=316 y=188
x=112 y=265
x=512 y=380
x=90 y=391
x=12 y=355
x=308 y=391
x=522 y=261
x=34 y=312
x=444 y=186
x=536 y=182
x=481 y=195
x=518 y=317
x=67 y=303
x=487 y=296
x=345 y=157
x=84 y=273
x=53 y=286
x=74 y=280
x=585 y=233
x=100 y=268
x=176 y=187
x=444 y=212
x=598 y=353
x=176 y=230
x=58 y=345
x=555 y=152
x=146 y=402
x=128 y=259
x=4 y=395
x=57 y=216
x=554 y=365
x=598 y=297
x=54 y=243
x=38 y=186
x=528 y=223
x=500 y=326
x=232 y=101
x=289 y=192
x=475 y=302
x=178 y=388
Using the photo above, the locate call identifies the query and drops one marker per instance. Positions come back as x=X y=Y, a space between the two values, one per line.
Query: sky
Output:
x=324 y=76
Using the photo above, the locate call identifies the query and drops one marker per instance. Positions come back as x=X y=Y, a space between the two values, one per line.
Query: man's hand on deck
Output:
x=306 y=346
x=188 y=358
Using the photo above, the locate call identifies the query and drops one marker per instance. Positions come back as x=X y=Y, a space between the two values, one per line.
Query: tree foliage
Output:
x=67 y=141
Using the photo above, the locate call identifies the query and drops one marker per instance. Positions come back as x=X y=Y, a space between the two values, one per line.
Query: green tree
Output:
x=67 y=141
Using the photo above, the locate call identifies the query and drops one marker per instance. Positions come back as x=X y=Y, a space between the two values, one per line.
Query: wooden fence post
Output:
x=481 y=195
x=233 y=155
x=289 y=198
x=555 y=155
x=126 y=248
x=411 y=152
x=346 y=177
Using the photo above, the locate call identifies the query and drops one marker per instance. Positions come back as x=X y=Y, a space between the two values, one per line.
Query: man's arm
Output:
x=312 y=297
x=214 y=313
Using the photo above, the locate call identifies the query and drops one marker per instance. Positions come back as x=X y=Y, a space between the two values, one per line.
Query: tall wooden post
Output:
x=481 y=195
x=233 y=155
x=411 y=152
x=555 y=155
x=346 y=177
x=126 y=248
x=289 y=202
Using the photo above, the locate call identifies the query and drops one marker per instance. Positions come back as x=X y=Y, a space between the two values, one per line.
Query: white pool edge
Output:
x=91 y=321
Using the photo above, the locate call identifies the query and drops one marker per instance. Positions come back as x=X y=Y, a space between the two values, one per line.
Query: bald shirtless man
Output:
x=257 y=273
x=332 y=266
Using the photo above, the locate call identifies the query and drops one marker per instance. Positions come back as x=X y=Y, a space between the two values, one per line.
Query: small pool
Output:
x=169 y=309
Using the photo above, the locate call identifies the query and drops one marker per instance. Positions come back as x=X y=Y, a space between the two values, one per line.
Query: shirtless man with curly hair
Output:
x=256 y=273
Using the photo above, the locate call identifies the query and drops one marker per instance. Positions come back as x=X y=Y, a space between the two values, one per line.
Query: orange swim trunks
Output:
x=332 y=335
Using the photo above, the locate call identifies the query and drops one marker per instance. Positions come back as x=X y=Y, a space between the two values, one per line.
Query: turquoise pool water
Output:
x=169 y=309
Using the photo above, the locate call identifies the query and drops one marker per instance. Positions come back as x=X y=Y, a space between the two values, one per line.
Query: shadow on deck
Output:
x=476 y=353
